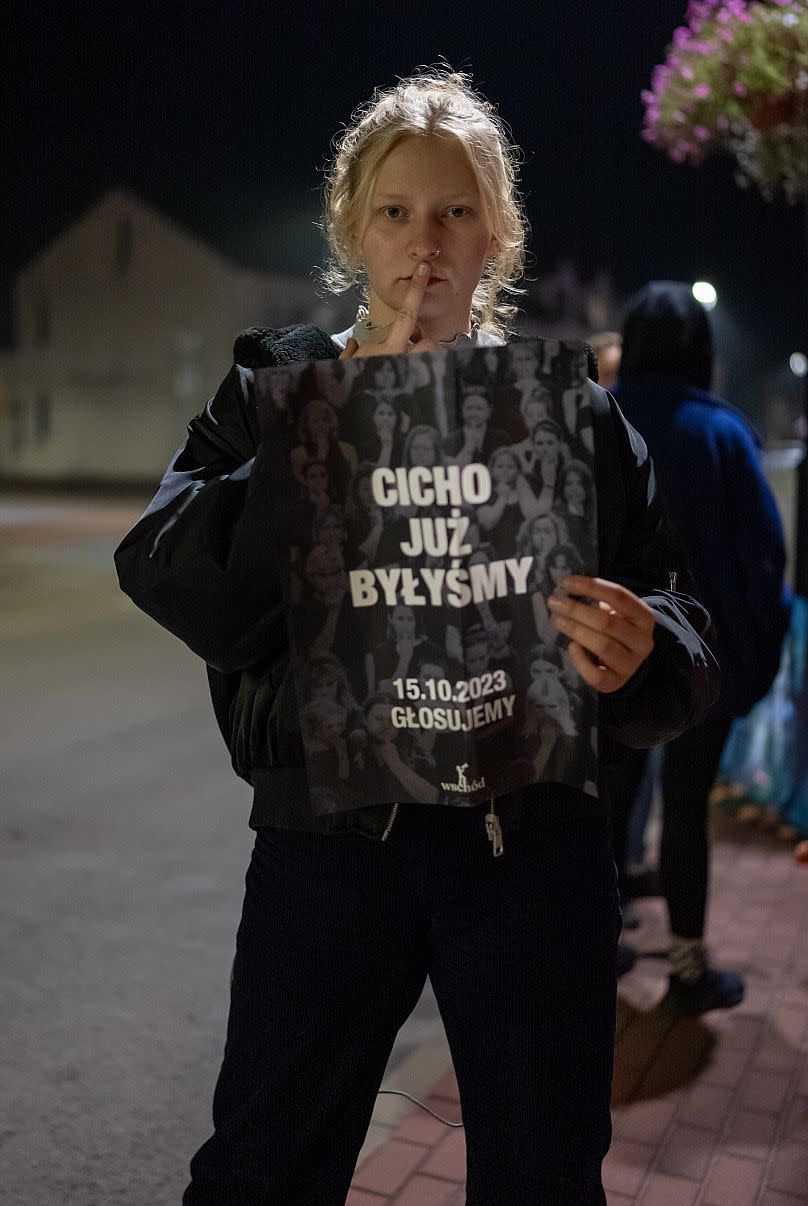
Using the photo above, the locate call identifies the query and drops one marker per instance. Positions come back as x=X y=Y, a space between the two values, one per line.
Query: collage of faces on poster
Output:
x=428 y=505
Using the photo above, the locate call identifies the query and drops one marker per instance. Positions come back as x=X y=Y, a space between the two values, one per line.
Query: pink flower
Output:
x=687 y=73
x=701 y=133
x=681 y=37
x=739 y=89
x=702 y=91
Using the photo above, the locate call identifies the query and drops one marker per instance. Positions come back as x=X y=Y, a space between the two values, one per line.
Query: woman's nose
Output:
x=425 y=242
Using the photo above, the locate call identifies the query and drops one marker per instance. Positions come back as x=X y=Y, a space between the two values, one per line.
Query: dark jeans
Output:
x=689 y=767
x=337 y=937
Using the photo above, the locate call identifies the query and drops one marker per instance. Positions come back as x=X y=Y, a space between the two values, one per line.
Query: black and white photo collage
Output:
x=428 y=505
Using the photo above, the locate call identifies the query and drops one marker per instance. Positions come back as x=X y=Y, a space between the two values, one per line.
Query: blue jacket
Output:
x=708 y=461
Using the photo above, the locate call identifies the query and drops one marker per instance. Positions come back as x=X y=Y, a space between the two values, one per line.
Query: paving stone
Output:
x=726 y=1065
x=644 y=1121
x=425 y=1191
x=448 y=1159
x=733 y=1181
x=789 y=1168
x=750 y=1133
x=386 y=1170
x=662 y=1190
x=447 y=1087
x=797 y=1120
x=707 y=1106
x=358 y=1197
x=626 y=1165
x=421 y=1127
x=773 y=1197
x=761 y=1090
x=687 y=1152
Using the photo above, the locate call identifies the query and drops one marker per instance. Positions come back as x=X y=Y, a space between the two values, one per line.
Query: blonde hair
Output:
x=433 y=101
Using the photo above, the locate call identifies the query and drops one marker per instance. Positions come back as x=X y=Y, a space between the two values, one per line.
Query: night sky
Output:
x=222 y=117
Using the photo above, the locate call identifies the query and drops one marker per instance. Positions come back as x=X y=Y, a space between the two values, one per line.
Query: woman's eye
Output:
x=393 y=211
x=458 y=211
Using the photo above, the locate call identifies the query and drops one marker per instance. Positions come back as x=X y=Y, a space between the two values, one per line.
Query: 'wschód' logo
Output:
x=463 y=785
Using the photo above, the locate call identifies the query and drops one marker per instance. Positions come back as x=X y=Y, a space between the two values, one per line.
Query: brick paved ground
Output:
x=711 y=1111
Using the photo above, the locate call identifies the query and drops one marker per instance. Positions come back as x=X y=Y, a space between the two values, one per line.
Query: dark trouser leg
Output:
x=689 y=767
x=523 y=968
x=622 y=782
x=330 y=962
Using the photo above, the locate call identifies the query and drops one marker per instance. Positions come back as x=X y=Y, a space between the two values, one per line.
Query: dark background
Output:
x=222 y=116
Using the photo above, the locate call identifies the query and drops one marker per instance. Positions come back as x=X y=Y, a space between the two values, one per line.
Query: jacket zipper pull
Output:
x=390 y=820
x=493 y=831
x=672 y=576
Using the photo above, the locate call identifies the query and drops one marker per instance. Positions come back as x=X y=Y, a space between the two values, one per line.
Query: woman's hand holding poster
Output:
x=427 y=507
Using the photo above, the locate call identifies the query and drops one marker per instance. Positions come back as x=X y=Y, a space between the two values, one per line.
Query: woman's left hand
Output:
x=610 y=637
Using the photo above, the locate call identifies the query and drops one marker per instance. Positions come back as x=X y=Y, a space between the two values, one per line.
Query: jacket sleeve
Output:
x=200 y=560
x=678 y=682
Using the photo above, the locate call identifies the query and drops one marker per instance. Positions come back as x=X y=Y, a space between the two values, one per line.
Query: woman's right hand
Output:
x=402 y=335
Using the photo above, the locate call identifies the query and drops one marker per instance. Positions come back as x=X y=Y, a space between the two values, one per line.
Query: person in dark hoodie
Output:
x=707 y=457
x=509 y=908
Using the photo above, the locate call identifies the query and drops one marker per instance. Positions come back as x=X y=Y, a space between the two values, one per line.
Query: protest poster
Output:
x=424 y=507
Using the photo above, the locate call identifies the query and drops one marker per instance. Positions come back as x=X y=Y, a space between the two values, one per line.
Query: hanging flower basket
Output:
x=735 y=79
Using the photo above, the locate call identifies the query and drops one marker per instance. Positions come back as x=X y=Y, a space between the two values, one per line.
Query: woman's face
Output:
x=385 y=418
x=475 y=411
x=544 y=535
x=574 y=490
x=426 y=206
x=422 y=450
x=364 y=491
x=319 y=424
x=430 y=672
x=332 y=531
x=547 y=688
x=504 y=469
x=402 y=622
x=559 y=566
x=317 y=480
x=384 y=377
x=333 y=722
x=546 y=443
x=535 y=410
x=324 y=570
x=378 y=722
x=524 y=361
x=476 y=658
x=279 y=384
x=325 y=687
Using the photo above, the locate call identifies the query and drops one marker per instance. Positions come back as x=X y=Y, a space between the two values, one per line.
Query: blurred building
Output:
x=123 y=328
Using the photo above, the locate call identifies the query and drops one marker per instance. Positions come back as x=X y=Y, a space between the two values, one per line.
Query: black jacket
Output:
x=201 y=562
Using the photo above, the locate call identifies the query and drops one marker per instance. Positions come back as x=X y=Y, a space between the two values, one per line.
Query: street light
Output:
x=705 y=293
x=798 y=363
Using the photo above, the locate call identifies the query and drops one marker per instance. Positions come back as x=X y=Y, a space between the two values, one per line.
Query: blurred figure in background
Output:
x=608 y=347
x=707 y=458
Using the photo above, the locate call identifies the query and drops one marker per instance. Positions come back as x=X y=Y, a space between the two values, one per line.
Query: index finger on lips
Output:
x=405 y=320
x=620 y=598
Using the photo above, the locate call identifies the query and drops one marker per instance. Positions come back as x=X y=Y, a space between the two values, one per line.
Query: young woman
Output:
x=400 y=655
x=512 y=502
x=317 y=432
x=534 y=405
x=339 y=933
x=384 y=442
